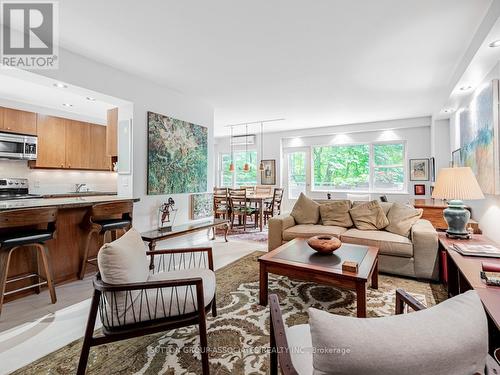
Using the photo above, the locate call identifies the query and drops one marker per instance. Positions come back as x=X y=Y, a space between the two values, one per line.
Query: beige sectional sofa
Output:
x=414 y=256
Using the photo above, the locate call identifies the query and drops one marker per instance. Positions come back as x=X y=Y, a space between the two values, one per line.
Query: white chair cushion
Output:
x=300 y=345
x=165 y=302
x=448 y=339
x=124 y=260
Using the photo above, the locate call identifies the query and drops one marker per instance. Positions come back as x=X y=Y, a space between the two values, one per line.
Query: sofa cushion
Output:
x=386 y=206
x=336 y=213
x=307 y=231
x=424 y=342
x=401 y=219
x=300 y=345
x=369 y=216
x=388 y=243
x=305 y=210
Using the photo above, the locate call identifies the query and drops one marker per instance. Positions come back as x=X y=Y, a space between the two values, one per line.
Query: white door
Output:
x=297 y=175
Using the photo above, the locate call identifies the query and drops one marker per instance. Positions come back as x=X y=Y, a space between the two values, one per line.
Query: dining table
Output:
x=259 y=199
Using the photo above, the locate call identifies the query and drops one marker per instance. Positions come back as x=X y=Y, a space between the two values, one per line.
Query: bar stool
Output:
x=101 y=219
x=22 y=235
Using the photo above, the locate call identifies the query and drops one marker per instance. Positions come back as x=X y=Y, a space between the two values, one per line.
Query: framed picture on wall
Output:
x=268 y=175
x=419 y=189
x=419 y=169
x=456 y=158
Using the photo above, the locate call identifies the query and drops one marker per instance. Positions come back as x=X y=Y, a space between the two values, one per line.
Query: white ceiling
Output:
x=315 y=63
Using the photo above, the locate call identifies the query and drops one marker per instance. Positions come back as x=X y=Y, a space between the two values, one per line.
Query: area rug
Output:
x=238 y=337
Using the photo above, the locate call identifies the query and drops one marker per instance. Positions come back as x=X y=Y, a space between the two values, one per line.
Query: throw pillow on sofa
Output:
x=401 y=219
x=336 y=213
x=369 y=216
x=305 y=211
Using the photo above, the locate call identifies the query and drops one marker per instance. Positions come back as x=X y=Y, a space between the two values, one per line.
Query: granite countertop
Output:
x=80 y=194
x=67 y=202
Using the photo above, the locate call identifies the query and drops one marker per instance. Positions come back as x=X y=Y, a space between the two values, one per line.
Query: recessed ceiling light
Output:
x=90 y=99
x=67 y=105
x=465 y=88
x=494 y=44
x=449 y=110
x=60 y=85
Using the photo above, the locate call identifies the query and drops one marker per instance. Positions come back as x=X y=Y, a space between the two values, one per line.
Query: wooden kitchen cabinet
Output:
x=77 y=145
x=112 y=132
x=51 y=133
x=16 y=121
x=1 y=118
x=99 y=158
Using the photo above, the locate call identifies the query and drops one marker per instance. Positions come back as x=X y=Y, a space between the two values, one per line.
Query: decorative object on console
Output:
x=479 y=137
x=268 y=175
x=166 y=214
x=324 y=244
x=419 y=169
x=202 y=205
x=419 y=189
x=457 y=184
x=177 y=156
x=455 y=158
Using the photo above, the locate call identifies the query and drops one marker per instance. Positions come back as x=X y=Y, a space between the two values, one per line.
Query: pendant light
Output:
x=231 y=166
x=261 y=165
x=246 y=167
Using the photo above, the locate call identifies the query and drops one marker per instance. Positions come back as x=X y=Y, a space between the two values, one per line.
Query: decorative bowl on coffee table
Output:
x=324 y=244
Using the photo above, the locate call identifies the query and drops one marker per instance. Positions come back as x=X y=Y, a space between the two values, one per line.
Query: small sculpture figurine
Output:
x=167 y=213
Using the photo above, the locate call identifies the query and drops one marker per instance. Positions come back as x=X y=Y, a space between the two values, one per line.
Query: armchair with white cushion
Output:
x=448 y=339
x=133 y=301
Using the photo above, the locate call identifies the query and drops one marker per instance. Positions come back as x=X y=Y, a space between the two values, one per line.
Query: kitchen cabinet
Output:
x=16 y=121
x=70 y=144
x=1 y=117
x=99 y=158
x=77 y=143
x=51 y=133
x=112 y=132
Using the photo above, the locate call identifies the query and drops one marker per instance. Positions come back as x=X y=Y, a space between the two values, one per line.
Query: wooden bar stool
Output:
x=22 y=234
x=101 y=219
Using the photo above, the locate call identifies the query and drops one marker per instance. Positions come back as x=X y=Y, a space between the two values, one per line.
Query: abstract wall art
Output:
x=479 y=137
x=201 y=205
x=177 y=156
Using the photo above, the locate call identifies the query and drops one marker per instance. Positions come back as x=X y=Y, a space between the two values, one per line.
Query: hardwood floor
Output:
x=32 y=327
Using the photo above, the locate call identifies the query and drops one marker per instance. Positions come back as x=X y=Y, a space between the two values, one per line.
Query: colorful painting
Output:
x=479 y=137
x=201 y=205
x=177 y=156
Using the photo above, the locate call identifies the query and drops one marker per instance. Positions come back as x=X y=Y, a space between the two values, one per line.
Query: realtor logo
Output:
x=30 y=33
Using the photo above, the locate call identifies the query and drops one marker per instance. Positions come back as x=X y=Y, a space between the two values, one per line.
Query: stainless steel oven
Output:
x=17 y=146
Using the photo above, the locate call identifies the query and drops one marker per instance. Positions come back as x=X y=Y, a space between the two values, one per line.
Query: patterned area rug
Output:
x=251 y=234
x=238 y=336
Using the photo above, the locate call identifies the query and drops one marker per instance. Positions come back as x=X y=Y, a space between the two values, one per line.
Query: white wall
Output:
x=146 y=96
x=415 y=131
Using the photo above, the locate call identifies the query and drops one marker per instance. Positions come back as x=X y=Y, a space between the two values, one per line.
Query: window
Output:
x=341 y=167
x=389 y=166
x=362 y=167
x=296 y=174
x=239 y=176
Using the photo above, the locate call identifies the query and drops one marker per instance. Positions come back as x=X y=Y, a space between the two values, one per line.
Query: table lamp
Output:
x=457 y=184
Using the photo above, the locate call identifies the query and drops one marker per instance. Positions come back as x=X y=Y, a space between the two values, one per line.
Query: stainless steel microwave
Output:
x=18 y=146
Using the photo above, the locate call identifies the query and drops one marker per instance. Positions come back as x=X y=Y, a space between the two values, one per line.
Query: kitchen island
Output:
x=65 y=250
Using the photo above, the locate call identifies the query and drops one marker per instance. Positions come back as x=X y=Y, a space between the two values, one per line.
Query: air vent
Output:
x=241 y=140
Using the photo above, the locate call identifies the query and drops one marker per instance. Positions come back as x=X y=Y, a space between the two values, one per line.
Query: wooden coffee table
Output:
x=297 y=260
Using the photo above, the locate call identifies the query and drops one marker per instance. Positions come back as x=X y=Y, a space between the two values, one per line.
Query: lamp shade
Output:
x=457 y=183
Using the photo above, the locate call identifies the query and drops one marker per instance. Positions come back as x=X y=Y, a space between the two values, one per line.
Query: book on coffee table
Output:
x=477 y=250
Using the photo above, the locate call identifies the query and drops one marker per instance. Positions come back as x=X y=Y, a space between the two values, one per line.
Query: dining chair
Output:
x=240 y=207
x=273 y=208
x=250 y=189
x=263 y=189
x=221 y=203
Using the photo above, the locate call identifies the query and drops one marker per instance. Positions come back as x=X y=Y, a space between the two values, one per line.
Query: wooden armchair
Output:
x=280 y=350
x=162 y=303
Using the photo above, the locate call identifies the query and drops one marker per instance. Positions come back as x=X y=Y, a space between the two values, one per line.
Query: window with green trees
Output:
x=240 y=176
x=363 y=167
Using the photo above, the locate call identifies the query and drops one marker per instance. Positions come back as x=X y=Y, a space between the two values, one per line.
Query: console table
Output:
x=461 y=273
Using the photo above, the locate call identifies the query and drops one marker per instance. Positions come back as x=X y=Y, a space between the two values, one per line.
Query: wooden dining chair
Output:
x=273 y=208
x=221 y=203
x=263 y=189
x=249 y=189
x=241 y=207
